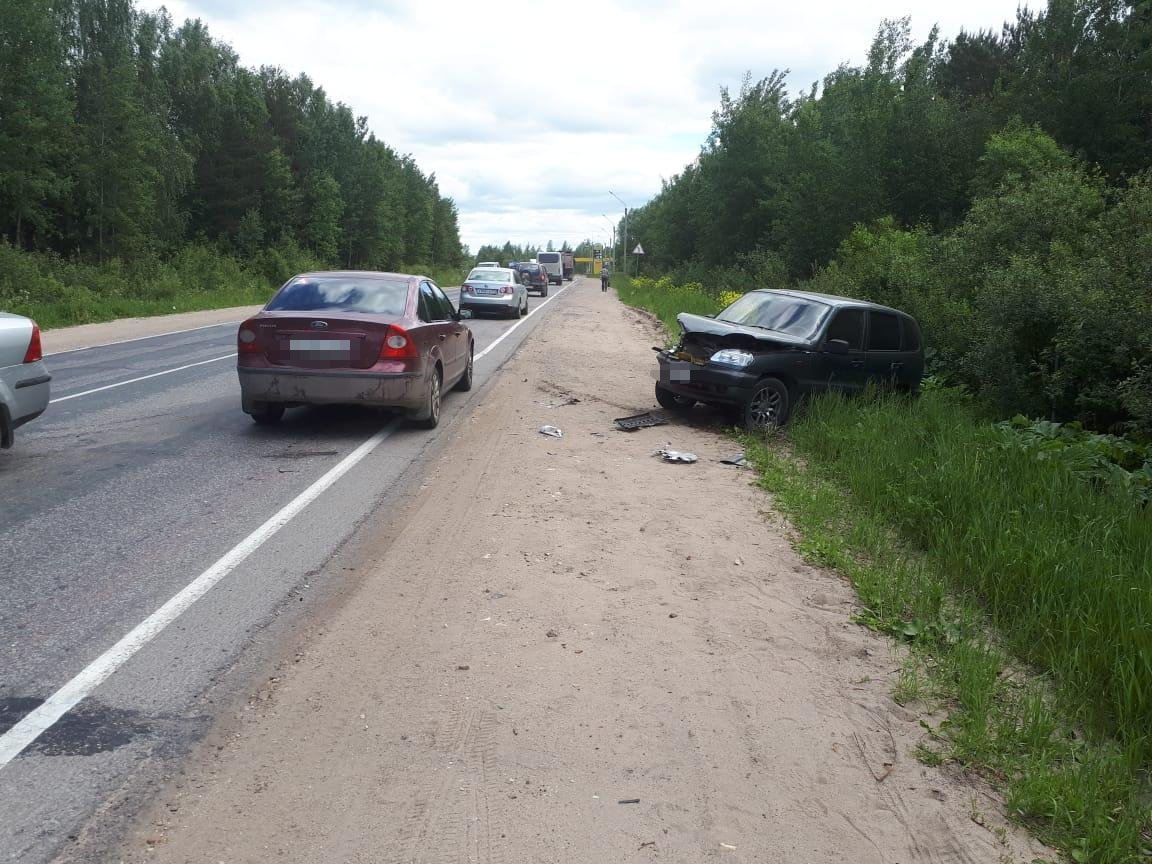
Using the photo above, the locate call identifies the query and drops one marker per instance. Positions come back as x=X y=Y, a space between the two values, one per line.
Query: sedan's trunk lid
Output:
x=316 y=341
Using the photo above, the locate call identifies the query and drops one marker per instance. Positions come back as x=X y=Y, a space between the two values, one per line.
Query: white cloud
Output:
x=528 y=113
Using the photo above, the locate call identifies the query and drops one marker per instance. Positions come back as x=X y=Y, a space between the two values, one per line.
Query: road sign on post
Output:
x=639 y=250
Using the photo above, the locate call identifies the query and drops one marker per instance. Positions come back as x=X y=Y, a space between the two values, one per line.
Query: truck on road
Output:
x=553 y=265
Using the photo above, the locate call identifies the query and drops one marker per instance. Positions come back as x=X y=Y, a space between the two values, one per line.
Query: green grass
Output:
x=58 y=292
x=1023 y=592
x=665 y=299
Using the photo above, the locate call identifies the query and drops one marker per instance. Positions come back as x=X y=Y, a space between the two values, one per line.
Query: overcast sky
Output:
x=530 y=112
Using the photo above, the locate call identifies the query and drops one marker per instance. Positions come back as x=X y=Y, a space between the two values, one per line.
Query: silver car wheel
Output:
x=765 y=407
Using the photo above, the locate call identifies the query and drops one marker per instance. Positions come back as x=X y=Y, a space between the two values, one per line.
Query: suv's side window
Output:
x=883 y=331
x=429 y=305
x=911 y=335
x=848 y=324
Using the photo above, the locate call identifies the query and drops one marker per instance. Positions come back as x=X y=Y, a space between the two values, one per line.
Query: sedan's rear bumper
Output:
x=482 y=303
x=405 y=391
x=709 y=383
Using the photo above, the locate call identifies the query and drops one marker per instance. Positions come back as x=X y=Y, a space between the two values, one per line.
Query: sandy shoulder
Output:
x=88 y=335
x=556 y=628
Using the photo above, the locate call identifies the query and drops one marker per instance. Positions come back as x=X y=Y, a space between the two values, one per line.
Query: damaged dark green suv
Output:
x=769 y=349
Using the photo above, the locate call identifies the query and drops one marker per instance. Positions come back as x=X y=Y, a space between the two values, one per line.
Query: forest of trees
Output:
x=126 y=138
x=997 y=186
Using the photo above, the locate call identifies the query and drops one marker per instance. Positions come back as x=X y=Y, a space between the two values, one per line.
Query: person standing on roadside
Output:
x=603 y=278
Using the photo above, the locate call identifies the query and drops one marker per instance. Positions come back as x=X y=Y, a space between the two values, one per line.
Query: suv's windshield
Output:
x=341 y=293
x=792 y=315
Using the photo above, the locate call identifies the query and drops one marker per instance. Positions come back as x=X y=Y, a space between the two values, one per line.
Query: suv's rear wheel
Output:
x=768 y=406
x=673 y=402
x=544 y=290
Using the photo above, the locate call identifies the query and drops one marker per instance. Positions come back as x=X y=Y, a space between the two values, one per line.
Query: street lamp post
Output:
x=613 y=224
x=621 y=200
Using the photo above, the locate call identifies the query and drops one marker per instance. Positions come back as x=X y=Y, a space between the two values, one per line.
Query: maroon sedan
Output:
x=388 y=340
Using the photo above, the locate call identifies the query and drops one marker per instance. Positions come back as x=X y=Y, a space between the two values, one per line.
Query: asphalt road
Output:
x=116 y=500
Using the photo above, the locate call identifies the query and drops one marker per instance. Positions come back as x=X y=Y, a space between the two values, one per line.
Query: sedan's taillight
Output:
x=398 y=345
x=35 y=351
x=506 y=289
x=246 y=342
x=465 y=289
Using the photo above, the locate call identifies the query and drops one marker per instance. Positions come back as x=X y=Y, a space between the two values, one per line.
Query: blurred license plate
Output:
x=342 y=345
x=487 y=292
x=676 y=371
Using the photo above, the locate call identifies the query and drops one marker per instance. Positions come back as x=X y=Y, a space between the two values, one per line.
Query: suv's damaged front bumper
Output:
x=704 y=382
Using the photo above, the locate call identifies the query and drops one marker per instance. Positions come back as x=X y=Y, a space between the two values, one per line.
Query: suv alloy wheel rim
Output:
x=765 y=407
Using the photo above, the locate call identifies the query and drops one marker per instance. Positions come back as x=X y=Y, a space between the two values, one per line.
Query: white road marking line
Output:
x=141 y=338
x=141 y=378
x=16 y=739
x=512 y=329
x=36 y=723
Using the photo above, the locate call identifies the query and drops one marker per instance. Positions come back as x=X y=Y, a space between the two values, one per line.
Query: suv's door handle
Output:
x=896 y=367
x=857 y=364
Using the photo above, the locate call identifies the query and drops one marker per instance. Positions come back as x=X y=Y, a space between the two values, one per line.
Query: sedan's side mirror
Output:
x=463 y=314
x=836 y=346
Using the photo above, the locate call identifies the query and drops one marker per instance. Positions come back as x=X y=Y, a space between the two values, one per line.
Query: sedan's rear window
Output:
x=342 y=294
x=489 y=276
x=792 y=315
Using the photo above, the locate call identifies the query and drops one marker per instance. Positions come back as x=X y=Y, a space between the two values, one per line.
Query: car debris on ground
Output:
x=739 y=460
x=676 y=456
x=639 y=421
x=551 y=430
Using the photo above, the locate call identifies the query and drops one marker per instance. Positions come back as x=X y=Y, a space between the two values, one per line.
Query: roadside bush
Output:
x=1040 y=301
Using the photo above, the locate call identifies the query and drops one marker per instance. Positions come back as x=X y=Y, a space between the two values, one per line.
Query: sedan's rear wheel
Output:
x=674 y=402
x=465 y=382
x=267 y=413
x=768 y=406
x=430 y=419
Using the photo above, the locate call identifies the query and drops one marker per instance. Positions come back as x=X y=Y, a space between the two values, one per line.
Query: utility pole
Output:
x=613 y=224
x=621 y=200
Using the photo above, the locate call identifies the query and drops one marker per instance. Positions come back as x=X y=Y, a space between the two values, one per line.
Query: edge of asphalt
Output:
x=275 y=638
x=81 y=337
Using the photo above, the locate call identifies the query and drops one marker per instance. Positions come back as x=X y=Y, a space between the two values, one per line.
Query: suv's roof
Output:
x=828 y=299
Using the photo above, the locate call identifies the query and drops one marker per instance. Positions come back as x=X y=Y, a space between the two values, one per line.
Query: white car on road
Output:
x=24 y=387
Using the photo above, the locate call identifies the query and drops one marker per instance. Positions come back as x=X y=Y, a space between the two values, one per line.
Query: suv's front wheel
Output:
x=768 y=406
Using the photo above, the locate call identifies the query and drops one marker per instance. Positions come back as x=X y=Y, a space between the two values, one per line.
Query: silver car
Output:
x=494 y=289
x=24 y=387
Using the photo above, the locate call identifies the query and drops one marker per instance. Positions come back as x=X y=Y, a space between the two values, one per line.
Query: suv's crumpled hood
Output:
x=738 y=335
